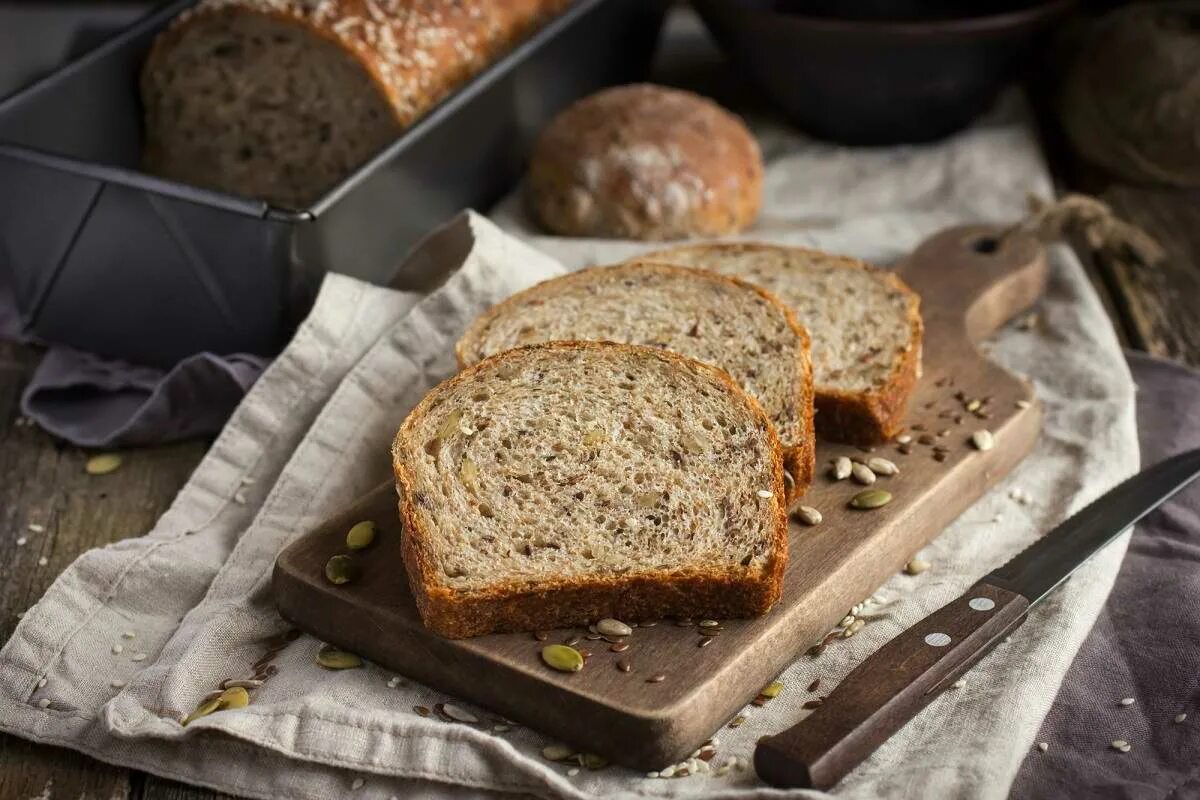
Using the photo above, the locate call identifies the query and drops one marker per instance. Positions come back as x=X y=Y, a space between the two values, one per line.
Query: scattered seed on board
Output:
x=765 y=493
x=361 y=535
x=563 y=658
x=916 y=566
x=459 y=714
x=340 y=569
x=1043 y=746
x=1127 y=701
x=421 y=711
x=613 y=627
x=1179 y=718
x=808 y=515
x=659 y=678
x=1121 y=745
x=842 y=467
x=983 y=439
x=882 y=466
x=709 y=623
x=102 y=464
x=619 y=647
x=862 y=473
x=705 y=641
x=624 y=665
x=870 y=499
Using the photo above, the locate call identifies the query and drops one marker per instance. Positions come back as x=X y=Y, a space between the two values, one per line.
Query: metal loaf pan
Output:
x=112 y=260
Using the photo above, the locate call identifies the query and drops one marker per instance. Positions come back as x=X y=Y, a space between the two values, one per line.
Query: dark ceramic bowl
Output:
x=898 y=71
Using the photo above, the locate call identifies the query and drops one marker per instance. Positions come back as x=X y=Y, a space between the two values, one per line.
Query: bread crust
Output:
x=861 y=418
x=517 y=606
x=799 y=459
x=645 y=162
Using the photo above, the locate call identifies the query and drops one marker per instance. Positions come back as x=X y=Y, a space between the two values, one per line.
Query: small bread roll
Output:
x=645 y=162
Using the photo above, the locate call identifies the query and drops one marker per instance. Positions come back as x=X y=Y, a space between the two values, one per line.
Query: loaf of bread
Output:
x=865 y=325
x=645 y=162
x=282 y=99
x=561 y=483
x=712 y=318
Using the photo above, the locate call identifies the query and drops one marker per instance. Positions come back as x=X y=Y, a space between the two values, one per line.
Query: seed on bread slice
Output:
x=712 y=318
x=565 y=482
x=865 y=325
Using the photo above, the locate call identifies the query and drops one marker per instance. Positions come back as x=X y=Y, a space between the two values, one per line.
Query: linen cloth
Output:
x=1146 y=642
x=314 y=432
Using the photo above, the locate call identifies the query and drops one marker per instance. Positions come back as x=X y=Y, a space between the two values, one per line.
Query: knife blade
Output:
x=886 y=690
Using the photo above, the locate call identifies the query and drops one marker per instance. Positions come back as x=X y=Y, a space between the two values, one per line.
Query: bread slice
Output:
x=865 y=325
x=715 y=319
x=565 y=482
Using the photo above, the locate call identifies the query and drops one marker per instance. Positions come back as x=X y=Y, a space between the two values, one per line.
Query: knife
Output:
x=888 y=689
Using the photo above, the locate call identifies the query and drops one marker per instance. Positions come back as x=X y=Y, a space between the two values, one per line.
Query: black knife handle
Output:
x=888 y=689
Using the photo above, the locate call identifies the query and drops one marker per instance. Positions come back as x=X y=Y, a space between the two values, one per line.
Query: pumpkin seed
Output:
x=871 y=498
x=772 y=689
x=862 y=473
x=882 y=466
x=102 y=464
x=842 y=467
x=468 y=472
x=983 y=439
x=341 y=569
x=203 y=710
x=361 y=535
x=450 y=425
x=563 y=658
x=613 y=627
x=458 y=714
x=330 y=657
x=557 y=752
x=234 y=697
x=808 y=515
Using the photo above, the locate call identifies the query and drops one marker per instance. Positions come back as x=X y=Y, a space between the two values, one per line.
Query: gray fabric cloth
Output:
x=1146 y=641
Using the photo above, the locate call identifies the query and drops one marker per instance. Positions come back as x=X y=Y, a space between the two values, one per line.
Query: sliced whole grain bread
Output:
x=865 y=325
x=564 y=482
x=712 y=318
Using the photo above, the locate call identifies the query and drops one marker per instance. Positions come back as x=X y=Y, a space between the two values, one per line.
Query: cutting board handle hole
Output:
x=986 y=245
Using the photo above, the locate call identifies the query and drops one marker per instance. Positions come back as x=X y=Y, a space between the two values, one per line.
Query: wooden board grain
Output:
x=969 y=286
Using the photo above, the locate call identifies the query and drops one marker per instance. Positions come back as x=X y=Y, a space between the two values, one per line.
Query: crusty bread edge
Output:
x=799 y=460
x=571 y=601
x=862 y=418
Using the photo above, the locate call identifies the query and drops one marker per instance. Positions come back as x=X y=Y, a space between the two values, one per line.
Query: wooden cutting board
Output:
x=969 y=286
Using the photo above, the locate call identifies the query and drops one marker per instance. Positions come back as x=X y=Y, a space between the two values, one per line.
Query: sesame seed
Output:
x=33 y=526
x=21 y=541
x=43 y=561
x=117 y=684
x=765 y=493
x=44 y=702
x=117 y=649
x=1127 y=701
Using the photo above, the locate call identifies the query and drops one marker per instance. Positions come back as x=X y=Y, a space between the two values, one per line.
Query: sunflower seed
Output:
x=870 y=498
x=925 y=438
x=1127 y=701
x=1179 y=718
x=245 y=683
x=541 y=636
x=842 y=468
x=421 y=711
x=1043 y=746
x=613 y=627
x=808 y=515
x=812 y=687
x=618 y=647
x=624 y=665
x=340 y=569
x=789 y=483
x=35 y=528
x=137 y=657
x=1121 y=745
x=330 y=657
x=659 y=678
x=709 y=623
x=102 y=464
x=983 y=439
x=811 y=704
x=862 y=473
x=557 y=752
x=563 y=658
x=882 y=466
x=705 y=641
x=117 y=684
x=361 y=535
x=916 y=566
x=459 y=714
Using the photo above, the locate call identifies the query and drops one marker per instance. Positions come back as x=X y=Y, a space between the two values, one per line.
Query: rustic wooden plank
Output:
x=42 y=482
x=1160 y=305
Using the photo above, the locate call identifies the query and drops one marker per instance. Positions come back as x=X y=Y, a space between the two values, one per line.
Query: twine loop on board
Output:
x=1094 y=220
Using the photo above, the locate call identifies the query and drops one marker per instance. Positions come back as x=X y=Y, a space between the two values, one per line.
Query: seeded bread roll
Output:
x=571 y=481
x=712 y=318
x=865 y=325
x=282 y=99
x=645 y=162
